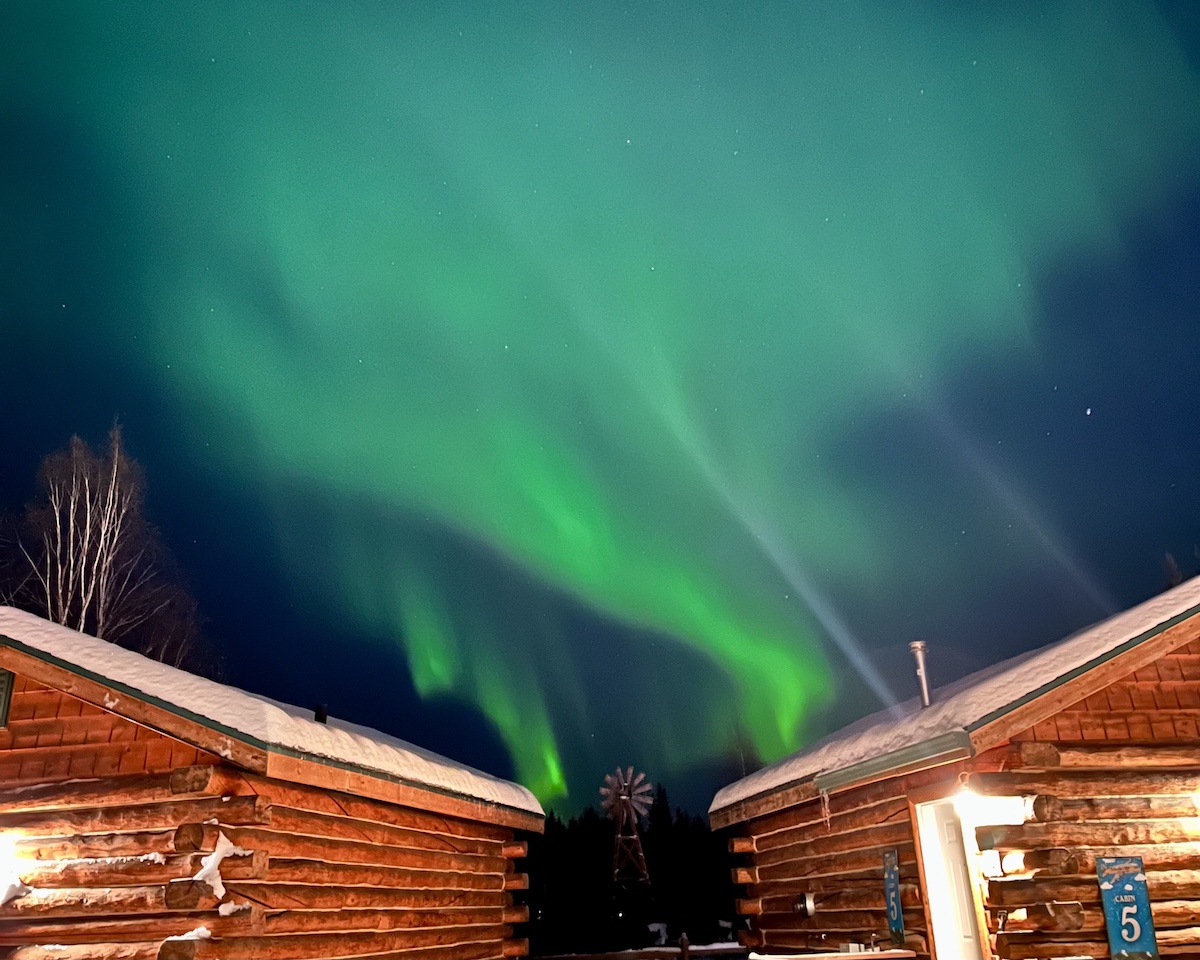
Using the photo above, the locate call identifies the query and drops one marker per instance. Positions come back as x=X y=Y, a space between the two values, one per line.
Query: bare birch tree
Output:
x=88 y=558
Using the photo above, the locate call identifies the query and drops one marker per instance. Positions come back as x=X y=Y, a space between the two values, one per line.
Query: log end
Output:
x=189 y=838
x=178 y=950
x=189 y=895
x=741 y=845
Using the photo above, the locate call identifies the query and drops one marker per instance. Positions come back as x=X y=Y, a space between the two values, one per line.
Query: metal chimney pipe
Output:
x=918 y=651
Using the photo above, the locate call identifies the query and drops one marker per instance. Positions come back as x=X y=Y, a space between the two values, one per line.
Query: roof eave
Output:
x=255 y=757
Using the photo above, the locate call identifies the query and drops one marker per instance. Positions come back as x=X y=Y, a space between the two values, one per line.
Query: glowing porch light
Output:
x=11 y=886
x=1013 y=862
x=976 y=810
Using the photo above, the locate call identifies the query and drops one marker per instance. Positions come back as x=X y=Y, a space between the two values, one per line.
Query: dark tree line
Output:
x=575 y=907
x=84 y=554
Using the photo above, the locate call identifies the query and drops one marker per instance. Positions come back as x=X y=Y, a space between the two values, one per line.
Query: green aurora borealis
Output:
x=558 y=307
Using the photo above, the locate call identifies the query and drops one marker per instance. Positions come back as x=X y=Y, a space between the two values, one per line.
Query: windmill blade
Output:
x=628 y=776
x=636 y=781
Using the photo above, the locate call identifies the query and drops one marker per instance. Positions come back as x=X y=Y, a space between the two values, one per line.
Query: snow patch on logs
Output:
x=210 y=866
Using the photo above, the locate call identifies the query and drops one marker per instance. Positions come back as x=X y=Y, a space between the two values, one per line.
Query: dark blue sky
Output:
x=560 y=390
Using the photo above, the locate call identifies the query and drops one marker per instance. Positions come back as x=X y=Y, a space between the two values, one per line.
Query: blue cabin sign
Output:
x=1126 y=908
x=891 y=890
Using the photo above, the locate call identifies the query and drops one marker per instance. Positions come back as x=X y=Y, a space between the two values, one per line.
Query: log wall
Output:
x=1116 y=774
x=51 y=735
x=112 y=859
x=833 y=848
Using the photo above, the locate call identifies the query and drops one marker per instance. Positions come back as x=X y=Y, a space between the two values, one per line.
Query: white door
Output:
x=947 y=883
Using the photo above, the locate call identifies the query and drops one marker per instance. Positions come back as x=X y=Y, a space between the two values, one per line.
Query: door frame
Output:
x=933 y=794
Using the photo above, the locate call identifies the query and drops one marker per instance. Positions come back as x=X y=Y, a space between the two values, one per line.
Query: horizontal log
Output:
x=815 y=810
x=741 y=845
x=775 y=862
x=153 y=816
x=1078 y=918
x=814 y=884
x=844 y=898
x=308 y=823
x=107 y=901
x=139 y=871
x=286 y=896
x=833 y=870
x=1058 y=861
x=515 y=850
x=1165 y=884
x=775 y=847
x=203 y=837
x=515 y=948
x=856 y=861
x=1041 y=917
x=1081 y=784
x=1123 y=756
x=383 y=921
x=128 y=929
x=282 y=870
x=113 y=791
x=836 y=921
x=319 y=946
x=254 y=922
x=97 y=845
x=1019 y=946
x=1091 y=834
x=302 y=797
x=801 y=940
x=1048 y=808
x=89 y=951
x=1026 y=946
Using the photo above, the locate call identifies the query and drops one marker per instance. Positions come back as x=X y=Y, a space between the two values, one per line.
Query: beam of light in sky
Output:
x=595 y=290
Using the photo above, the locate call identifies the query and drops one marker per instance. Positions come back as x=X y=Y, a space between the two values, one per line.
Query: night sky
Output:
x=565 y=385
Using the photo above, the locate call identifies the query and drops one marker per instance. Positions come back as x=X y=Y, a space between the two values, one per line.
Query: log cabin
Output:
x=149 y=813
x=997 y=798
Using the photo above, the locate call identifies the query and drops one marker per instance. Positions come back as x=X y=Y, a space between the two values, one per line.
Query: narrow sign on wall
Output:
x=891 y=890
x=1126 y=908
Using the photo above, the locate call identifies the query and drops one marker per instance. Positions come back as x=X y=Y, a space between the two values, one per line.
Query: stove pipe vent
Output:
x=918 y=651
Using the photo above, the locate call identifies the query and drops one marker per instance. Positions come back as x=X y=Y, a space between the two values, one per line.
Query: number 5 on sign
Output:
x=1126 y=908
x=891 y=889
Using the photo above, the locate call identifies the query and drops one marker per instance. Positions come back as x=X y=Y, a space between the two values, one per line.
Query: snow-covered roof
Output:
x=252 y=718
x=971 y=702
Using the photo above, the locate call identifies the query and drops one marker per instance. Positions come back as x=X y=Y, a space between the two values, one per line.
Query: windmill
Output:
x=626 y=800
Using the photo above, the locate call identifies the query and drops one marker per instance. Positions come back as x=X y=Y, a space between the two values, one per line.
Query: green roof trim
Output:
x=245 y=738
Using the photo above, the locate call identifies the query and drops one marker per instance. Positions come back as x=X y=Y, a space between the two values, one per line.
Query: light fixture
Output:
x=11 y=886
x=977 y=810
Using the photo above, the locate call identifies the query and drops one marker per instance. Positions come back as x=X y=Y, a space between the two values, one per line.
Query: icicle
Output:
x=825 y=807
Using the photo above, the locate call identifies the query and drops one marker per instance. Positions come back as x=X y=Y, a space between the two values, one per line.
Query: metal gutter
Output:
x=944 y=748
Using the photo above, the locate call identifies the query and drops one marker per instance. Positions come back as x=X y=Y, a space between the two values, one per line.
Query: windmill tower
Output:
x=626 y=800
